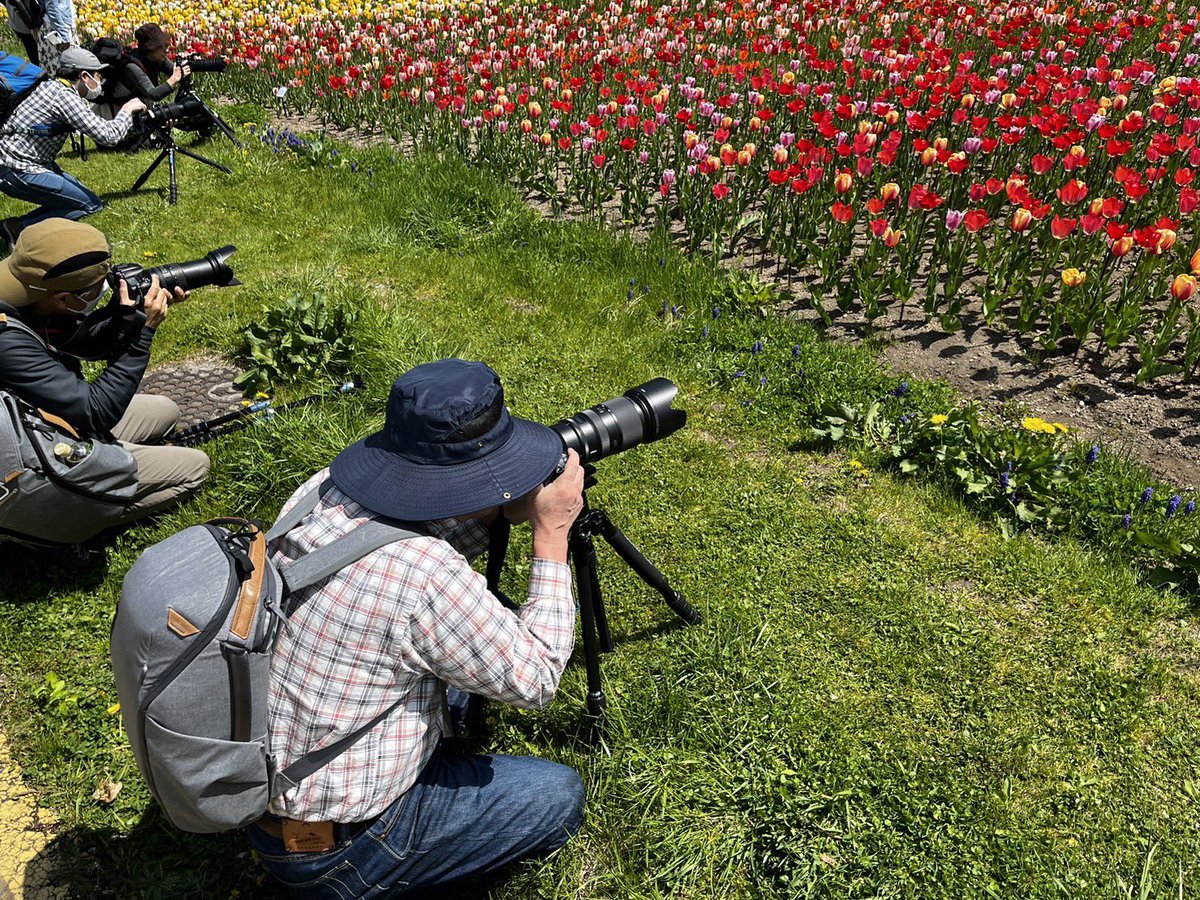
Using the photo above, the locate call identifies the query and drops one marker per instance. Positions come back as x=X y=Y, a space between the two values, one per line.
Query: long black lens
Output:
x=212 y=269
x=207 y=63
x=639 y=416
x=180 y=110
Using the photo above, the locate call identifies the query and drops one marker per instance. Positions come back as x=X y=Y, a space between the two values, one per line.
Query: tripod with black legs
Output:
x=196 y=115
x=595 y=523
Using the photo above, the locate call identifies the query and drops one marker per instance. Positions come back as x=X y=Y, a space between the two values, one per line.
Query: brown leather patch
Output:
x=15 y=473
x=247 y=604
x=3 y=318
x=307 y=837
x=180 y=625
x=58 y=422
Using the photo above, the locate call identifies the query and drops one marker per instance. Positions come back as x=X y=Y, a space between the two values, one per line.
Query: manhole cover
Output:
x=203 y=388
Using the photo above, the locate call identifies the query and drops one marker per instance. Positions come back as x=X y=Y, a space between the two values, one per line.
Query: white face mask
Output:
x=105 y=290
x=94 y=93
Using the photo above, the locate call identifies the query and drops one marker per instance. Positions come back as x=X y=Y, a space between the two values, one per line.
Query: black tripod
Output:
x=594 y=523
x=165 y=139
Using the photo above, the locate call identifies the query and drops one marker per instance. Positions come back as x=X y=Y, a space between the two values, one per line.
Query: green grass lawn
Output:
x=885 y=699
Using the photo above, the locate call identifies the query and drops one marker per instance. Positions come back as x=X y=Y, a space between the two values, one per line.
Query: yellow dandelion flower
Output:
x=1038 y=426
x=939 y=419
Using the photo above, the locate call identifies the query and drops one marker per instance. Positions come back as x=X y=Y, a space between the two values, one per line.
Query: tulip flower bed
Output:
x=1033 y=162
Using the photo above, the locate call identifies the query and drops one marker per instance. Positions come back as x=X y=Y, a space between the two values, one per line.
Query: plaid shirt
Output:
x=398 y=626
x=36 y=131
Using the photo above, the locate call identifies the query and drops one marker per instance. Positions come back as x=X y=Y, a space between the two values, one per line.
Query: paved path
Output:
x=25 y=830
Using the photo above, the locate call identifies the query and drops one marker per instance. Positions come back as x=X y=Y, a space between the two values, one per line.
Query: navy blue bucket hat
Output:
x=448 y=447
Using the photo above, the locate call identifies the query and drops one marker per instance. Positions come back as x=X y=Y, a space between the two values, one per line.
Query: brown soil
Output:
x=1158 y=423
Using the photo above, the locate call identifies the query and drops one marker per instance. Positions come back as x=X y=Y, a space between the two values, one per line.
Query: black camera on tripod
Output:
x=211 y=269
x=187 y=112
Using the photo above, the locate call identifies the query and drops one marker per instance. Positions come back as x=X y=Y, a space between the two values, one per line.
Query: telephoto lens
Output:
x=639 y=416
x=212 y=268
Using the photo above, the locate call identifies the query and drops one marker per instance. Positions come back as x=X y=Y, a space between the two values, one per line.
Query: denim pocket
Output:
x=397 y=826
x=342 y=882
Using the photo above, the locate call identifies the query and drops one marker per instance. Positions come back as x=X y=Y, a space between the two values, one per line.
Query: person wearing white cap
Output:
x=36 y=131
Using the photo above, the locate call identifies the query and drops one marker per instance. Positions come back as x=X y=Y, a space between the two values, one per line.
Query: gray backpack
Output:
x=44 y=500
x=191 y=651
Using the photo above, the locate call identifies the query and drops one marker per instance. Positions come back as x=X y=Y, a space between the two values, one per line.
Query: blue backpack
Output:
x=18 y=77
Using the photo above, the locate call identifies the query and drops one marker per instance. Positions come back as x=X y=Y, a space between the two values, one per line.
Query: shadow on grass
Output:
x=156 y=860
x=28 y=575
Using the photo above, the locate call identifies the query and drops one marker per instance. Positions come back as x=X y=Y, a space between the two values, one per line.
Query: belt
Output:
x=343 y=832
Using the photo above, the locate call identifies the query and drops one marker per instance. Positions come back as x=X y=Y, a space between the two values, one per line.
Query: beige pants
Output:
x=166 y=474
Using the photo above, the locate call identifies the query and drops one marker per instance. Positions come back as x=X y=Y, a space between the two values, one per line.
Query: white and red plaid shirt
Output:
x=400 y=625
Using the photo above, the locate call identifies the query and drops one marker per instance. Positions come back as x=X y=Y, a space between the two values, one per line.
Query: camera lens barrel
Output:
x=639 y=416
x=213 y=268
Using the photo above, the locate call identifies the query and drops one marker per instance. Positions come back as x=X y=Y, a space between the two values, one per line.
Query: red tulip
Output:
x=842 y=212
x=1060 y=227
x=1074 y=191
x=975 y=220
x=720 y=190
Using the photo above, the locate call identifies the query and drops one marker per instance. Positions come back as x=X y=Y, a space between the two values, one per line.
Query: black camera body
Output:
x=211 y=269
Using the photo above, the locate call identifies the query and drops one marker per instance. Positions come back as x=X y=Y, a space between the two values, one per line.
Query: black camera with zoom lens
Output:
x=641 y=415
x=204 y=63
x=211 y=269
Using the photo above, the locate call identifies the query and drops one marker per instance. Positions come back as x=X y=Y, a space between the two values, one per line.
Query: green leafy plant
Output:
x=302 y=336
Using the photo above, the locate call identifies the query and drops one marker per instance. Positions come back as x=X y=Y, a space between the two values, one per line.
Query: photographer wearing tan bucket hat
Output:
x=58 y=310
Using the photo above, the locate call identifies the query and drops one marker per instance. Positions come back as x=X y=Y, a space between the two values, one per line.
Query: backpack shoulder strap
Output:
x=306 y=504
x=287 y=778
x=308 y=570
x=343 y=552
x=7 y=321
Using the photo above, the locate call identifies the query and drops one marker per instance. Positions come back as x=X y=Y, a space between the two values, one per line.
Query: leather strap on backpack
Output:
x=247 y=601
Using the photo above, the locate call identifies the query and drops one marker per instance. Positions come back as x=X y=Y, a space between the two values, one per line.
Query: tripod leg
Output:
x=149 y=171
x=598 y=608
x=645 y=569
x=204 y=159
x=583 y=553
x=174 y=193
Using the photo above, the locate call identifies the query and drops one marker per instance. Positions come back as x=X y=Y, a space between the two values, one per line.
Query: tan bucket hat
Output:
x=54 y=255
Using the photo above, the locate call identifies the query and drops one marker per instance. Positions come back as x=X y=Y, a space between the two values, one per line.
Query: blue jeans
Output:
x=467 y=814
x=55 y=194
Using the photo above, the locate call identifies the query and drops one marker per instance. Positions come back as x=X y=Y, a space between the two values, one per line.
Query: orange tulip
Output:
x=1021 y=219
x=1194 y=263
x=890 y=193
x=843 y=182
x=1184 y=287
x=1122 y=246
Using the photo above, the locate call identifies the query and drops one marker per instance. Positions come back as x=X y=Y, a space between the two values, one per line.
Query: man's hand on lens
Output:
x=552 y=510
x=133 y=105
x=182 y=70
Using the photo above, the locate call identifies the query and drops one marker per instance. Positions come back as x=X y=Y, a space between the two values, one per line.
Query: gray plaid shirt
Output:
x=36 y=131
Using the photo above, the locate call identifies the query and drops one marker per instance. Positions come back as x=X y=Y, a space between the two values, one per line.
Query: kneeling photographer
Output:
x=34 y=135
x=55 y=297
x=144 y=71
x=371 y=652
